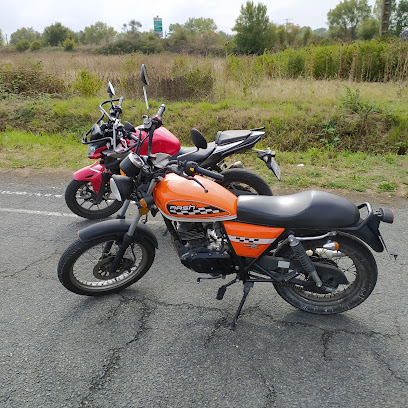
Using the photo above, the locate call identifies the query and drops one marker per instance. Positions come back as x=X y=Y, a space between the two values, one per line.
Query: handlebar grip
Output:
x=161 y=110
x=120 y=101
x=209 y=173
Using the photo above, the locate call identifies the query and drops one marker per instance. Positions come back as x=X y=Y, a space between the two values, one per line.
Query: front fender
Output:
x=115 y=227
x=92 y=173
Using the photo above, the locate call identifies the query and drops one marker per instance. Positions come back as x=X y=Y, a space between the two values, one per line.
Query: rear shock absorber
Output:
x=304 y=260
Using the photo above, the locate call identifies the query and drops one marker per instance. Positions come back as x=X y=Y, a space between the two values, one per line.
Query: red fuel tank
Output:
x=163 y=142
x=185 y=200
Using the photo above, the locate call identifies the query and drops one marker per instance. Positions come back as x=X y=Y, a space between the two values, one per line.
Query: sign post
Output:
x=158 y=27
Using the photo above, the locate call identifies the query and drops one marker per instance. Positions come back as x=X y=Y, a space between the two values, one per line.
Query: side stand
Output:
x=247 y=288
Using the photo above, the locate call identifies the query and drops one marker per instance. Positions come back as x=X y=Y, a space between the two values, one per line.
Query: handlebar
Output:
x=192 y=168
x=161 y=110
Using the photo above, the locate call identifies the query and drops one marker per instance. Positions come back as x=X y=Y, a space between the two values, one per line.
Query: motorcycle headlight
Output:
x=121 y=187
x=131 y=165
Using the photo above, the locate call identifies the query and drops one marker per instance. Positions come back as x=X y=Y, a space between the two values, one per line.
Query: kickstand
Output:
x=247 y=288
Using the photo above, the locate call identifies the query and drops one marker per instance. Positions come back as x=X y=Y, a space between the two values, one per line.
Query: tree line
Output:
x=254 y=33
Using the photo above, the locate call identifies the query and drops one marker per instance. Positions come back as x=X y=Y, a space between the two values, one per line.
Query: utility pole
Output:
x=385 y=17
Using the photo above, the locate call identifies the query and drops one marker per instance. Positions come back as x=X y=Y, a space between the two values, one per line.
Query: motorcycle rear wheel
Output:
x=245 y=182
x=353 y=258
x=80 y=198
x=84 y=266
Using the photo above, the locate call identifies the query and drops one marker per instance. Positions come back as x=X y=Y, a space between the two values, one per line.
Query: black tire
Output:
x=353 y=258
x=80 y=198
x=245 y=182
x=83 y=268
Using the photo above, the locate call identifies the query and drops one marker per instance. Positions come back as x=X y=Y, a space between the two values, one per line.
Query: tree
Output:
x=368 y=29
x=24 y=34
x=1 y=38
x=132 y=30
x=97 y=33
x=346 y=17
x=292 y=32
x=200 y=25
x=180 y=40
x=56 y=34
x=399 y=20
x=307 y=36
x=252 y=27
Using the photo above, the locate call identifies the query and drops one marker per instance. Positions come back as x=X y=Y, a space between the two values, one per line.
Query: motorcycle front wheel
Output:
x=81 y=200
x=353 y=259
x=84 y=267
x=245 y=182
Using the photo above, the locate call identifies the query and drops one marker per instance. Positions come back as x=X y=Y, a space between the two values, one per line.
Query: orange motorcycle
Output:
x=313 y=246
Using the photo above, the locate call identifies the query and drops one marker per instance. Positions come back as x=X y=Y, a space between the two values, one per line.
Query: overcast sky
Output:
x=78 y=14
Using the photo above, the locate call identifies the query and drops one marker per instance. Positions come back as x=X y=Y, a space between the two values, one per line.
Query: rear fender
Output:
x=366 y=235
x=367 y=230
x=92 y=173
x=117 y=228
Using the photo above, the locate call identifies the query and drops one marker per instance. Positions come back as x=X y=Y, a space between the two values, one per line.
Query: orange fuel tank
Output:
x=185 y=200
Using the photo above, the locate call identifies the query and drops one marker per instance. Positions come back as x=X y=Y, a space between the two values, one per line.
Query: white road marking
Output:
x=25 y=193
x=47 y=213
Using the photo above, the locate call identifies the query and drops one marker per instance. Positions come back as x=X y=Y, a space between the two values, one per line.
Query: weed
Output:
x=387 y=187
x=87 y=84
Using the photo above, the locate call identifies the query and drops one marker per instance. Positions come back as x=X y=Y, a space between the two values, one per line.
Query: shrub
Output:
x=68 y=44
x=87 y=84
x=22 y=46
x=29 y=80
x=119 y=47
x=35 y=46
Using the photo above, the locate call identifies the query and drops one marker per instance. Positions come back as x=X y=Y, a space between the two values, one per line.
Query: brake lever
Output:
x=198 y=182
x=180 y=172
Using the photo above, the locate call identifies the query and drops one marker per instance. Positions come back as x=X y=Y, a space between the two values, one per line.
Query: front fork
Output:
x=105 y=180
x=129 y=234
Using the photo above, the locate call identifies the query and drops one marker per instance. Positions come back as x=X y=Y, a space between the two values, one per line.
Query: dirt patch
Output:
x=31 y=176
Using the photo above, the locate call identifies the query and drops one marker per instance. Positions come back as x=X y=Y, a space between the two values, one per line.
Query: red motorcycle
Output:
x=89 y=195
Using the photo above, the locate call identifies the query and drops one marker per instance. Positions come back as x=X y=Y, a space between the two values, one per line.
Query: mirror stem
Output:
x=147 y=104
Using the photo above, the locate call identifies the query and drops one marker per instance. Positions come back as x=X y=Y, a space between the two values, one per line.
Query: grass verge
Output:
x=324 y=168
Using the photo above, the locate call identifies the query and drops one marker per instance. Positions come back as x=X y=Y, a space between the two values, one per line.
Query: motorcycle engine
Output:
x=204 y=250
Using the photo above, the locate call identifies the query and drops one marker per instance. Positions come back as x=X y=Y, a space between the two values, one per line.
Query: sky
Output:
x=78 y=14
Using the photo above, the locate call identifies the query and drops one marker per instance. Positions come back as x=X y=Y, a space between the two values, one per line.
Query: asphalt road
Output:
x=166 y=342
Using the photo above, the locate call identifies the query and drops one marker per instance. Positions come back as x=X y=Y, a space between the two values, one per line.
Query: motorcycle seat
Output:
x=231 y=136
x=194 y=154
x=307 y=209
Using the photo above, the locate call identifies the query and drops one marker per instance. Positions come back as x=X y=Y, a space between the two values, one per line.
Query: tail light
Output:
x=387 y=215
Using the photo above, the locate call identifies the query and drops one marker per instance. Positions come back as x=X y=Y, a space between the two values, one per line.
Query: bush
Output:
x=68 y=44
x=119 y=47
x=29 y=80
x=35 y=46
x=22 y=46
x=87 y=84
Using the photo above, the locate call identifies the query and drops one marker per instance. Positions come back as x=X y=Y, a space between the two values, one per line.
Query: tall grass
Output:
x=313 y=97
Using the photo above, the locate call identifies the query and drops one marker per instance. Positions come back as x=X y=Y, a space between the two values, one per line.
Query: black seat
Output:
x=308 y=209
x=230 y=136
x=194 y=155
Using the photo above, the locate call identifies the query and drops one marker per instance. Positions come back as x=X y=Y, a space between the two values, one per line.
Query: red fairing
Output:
x=163 y=142
x=92 y=173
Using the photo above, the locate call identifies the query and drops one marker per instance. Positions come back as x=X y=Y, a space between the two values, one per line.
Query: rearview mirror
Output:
x=111 y=90
x=144 y=77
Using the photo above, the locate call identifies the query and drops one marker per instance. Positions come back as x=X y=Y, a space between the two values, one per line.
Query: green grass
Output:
x=314 y=168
